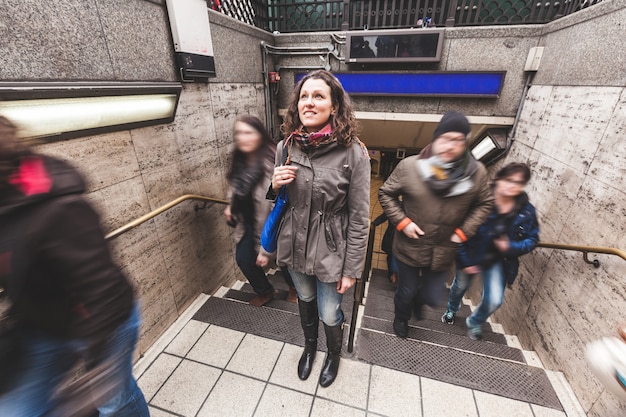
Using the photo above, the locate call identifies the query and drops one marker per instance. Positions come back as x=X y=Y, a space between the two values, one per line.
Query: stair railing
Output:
x=140 y=220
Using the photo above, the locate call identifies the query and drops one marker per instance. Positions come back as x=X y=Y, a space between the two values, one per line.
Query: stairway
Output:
x=433 y=349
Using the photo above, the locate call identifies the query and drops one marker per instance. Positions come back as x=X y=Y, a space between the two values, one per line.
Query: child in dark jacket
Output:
x=510 y=231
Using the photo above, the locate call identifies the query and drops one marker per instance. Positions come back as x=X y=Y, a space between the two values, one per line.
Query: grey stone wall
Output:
x=572 y=132
x=464 y=49
x=189 y=249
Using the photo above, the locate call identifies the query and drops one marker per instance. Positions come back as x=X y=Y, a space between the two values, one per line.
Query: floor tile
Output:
x=156 y=375
x=285 y=373
x=546 y=412
x=255 y=357
x=187 y=388
x=216 y=346
x=351 y=385
x=155 y=412
x=233 y=396
x=282 y=402
x=325 y=408
x=393 y=393
x=490 y=405
x=436 y=400
x=188 y=336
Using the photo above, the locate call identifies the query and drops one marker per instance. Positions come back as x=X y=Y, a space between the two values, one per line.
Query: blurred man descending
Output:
x=68 y=302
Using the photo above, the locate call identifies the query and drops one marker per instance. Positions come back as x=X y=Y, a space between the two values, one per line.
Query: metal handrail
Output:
x=160 y=210
x=586 y=250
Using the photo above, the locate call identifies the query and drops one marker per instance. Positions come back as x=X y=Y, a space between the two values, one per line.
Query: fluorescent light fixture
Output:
x=76 y=110
x=492 y=144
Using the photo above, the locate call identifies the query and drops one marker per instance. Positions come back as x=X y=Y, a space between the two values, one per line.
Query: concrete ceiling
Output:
x=414 y=131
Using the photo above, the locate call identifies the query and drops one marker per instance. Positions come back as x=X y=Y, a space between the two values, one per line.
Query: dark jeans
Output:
x=416 y=287
x=245 y=256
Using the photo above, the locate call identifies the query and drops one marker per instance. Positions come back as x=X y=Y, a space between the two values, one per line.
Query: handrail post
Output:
x=450 y=21
x=359 y=288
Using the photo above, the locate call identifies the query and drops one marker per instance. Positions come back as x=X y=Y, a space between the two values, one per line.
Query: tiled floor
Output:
x=208 y=370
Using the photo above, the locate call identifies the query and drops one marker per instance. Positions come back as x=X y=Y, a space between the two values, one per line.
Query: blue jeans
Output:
x=48 y=362
x=416 y=287
x=245 y=255
x=493 y=292
x=328 y=299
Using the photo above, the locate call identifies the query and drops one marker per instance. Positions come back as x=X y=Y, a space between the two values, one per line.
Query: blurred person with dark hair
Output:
x=436 y=200
x=323 y=238
x=68 y=299
x=249 y=178
x=510 y=231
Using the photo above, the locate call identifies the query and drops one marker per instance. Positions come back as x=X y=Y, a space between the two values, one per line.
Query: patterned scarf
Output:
x=447 y=179
x=308 y=141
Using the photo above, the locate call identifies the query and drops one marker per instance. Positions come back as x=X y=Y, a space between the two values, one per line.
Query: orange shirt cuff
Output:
x=404 y=223
x=461 y=235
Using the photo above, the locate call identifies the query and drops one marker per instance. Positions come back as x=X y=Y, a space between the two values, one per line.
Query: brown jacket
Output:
x=262 y=208
x=437 y=216
x=324 y=231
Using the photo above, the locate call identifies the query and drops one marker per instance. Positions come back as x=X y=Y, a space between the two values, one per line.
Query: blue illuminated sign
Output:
x=428 y=84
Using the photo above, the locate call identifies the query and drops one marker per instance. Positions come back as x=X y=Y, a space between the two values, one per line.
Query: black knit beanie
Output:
x=452 y=121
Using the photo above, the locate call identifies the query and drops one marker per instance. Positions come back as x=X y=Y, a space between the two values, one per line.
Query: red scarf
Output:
x=308 y=141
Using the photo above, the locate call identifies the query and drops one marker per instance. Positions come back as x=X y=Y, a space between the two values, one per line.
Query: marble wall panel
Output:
x=609 y=162
x=104 y=159
x=553 y=191
x=164 y=184
x=192 y=236
x=60 y=40
x=156 y=147
x=230 y=101
x=556 y=340
x=138 y=51
x=139 y=252
x=575 y=120
x=608 y=405
x=120 y=203
x=532 y=117
x=199 y=174
x=597 y=216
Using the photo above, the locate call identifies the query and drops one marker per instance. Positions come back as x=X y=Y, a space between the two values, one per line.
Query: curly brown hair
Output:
x=12 y=149
x=343 y=122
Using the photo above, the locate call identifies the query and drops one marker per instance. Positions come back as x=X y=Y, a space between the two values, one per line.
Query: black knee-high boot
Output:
x=309 y=319
x=334 y=340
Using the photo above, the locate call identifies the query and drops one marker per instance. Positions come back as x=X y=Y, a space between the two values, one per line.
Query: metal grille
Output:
x=252 y=12
x=305 y=16
x=384 y=14
x=495 y=350
x=508 y=379
x=328 y=15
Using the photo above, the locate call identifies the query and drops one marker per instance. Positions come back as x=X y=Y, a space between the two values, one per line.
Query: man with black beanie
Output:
x=437 y=199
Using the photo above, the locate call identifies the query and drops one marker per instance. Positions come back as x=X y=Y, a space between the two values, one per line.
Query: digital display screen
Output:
x=415 y=45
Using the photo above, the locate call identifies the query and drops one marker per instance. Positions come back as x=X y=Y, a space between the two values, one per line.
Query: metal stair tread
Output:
x=279 y=301
x=496 y=350
x=500 y=377
x=381 y=307
x=270 y=323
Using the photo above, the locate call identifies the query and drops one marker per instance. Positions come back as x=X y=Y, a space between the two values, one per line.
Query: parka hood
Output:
x=39 y=178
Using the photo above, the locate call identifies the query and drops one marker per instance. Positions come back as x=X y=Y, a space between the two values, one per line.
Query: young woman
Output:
x=511 y=230
x=323 y=236
x=249 y=177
